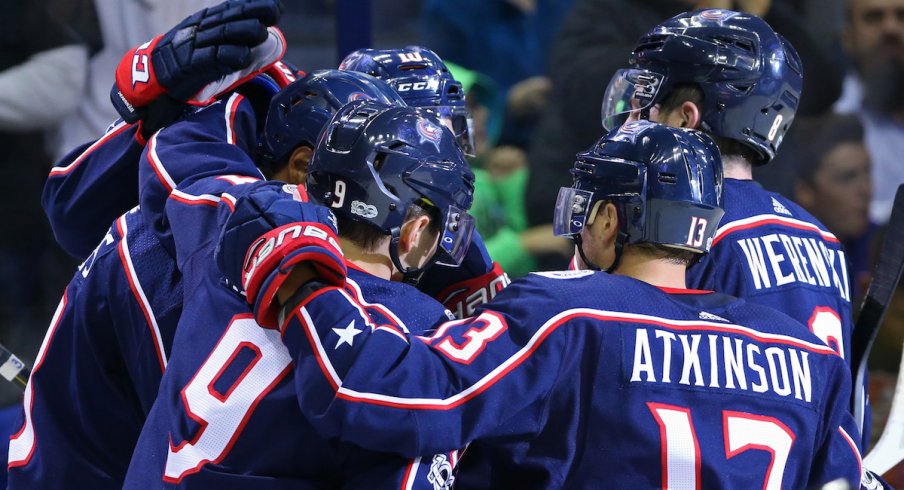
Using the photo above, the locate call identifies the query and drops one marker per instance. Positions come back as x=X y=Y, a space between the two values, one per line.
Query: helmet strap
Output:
x=620 y=239
x=410 y=275
x=579 y=244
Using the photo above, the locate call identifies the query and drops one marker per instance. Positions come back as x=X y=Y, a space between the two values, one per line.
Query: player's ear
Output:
x=415 y=234
x=603 y=222
x=689 y=115
x=298 y=164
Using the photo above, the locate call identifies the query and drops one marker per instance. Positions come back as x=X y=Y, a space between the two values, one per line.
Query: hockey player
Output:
x=399 y=185
x=103 y=356
x=729 y=74
x=567 y=379
x=422 y=79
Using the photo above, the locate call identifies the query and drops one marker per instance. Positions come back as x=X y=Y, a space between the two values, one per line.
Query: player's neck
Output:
x=651 y=270
x=737 y=167
x=375 y=263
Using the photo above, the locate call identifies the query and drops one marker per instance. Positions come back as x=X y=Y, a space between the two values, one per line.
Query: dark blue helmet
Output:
x=422 y=79
x=665 y=182
x=750 y=76
x=300 y=111
x=374 y=161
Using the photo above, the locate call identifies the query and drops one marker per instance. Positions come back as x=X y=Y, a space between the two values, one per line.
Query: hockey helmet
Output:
x=423 y=80
x=750 y=76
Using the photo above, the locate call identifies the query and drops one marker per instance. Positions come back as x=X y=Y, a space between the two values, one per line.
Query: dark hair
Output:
x=816 y=137
x=368 y=237
x=691 y=92
x=673 y=255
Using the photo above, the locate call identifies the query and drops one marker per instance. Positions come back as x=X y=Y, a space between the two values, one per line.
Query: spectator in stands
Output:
x=833 y=183
x=874 y=42
x=596 y=38
x=508 y=40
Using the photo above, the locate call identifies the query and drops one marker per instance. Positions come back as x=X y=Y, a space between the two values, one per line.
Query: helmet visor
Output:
x=572 y=208
x=458 y=120
x=629 y=96
x=455 y=236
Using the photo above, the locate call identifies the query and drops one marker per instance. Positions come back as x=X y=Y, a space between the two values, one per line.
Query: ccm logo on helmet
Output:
x=409 y=86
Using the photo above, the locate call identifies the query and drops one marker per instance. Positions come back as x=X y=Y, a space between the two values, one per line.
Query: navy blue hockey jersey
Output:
x=98 y=370
x=579 y=379
x=91 y=186
x=770 y=251
x=228 y=412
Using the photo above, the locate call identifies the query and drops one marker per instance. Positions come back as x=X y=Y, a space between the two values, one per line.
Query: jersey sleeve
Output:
x=839 y=453
x=364 y=381
x=91 y=186
x=186 y=169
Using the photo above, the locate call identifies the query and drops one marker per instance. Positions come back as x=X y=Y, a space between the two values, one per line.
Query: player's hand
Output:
x=267 y=236
x=202 y=48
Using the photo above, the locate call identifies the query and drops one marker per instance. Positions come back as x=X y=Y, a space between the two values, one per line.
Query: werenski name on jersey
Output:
x=720 y=361
x=778 y=259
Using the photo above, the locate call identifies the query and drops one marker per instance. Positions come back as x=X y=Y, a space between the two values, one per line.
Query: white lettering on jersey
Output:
x=779 y=259
x=785 y=371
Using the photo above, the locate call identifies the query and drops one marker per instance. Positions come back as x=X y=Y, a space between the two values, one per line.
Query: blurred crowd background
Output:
x=535 y=72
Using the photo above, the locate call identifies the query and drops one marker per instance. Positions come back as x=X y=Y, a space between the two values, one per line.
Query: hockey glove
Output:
x=268 y=234
x=474 y=282
x=204 y=47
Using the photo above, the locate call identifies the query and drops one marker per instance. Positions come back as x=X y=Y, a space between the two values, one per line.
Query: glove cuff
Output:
x=272 y=257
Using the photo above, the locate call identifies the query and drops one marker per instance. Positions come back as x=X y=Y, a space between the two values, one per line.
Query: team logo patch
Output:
x=364 y=210
x=564 y=274
x=358 y=96
x=717 y=15
x=429 y=132
x=440 y=474
x=630 y=131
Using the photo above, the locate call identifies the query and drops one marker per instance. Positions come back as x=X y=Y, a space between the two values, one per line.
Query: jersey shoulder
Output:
x=402 y=303
x=747 y=200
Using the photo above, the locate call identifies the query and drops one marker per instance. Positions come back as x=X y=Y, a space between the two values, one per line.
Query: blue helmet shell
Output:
x=665 y=182
x=300 y=111
x=751 y=77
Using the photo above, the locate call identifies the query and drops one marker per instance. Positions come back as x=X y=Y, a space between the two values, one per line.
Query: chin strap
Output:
x=620 y=241
x=410 y=275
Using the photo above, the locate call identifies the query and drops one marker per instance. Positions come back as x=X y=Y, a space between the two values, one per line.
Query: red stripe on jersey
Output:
x=162 y=175
x=765 y=220
x=119 y=128
x=28 y=400
x=231 y=107
x=515 y=360
x=853 y=445
x=138 y=291
x=203 y=200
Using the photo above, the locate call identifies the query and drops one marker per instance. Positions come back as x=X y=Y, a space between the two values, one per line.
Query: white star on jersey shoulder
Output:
x=347 y=334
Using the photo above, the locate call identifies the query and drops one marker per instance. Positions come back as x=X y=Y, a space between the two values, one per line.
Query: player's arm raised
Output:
x=91 y=186
x=187 y=167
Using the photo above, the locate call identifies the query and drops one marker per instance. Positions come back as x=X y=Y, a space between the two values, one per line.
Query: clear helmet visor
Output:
x=455 y=237
x=630 y=96
x=572 y=208
x=458 y=120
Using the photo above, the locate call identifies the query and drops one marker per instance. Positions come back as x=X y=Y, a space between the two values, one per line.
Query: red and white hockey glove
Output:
x=268 y=234
x=213 y=43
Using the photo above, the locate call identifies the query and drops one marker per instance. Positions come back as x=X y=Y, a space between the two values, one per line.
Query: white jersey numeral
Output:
x=826 y=324
x=222 y=412
x=742 y=432
x=485 y=329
